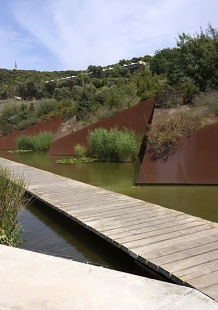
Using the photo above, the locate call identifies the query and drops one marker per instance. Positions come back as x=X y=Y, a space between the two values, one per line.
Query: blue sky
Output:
x=49 y=35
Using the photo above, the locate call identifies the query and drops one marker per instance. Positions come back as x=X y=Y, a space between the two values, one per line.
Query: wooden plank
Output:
x=211 y=291
x=204 y=281
x=194 y=271
x=150 y=220
x=166 y=250
x=167 y=236
x=158 y=245
x=156 y=232
x=184 y=254
x=188 y=262
x=203 y=269
x=118 y=216
x=151 y=224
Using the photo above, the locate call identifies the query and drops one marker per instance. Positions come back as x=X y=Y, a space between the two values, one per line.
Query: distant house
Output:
x=132 y=67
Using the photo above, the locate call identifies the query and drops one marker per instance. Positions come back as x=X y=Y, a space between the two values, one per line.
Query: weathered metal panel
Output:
x=194 y=162
x=135 y=118
x=9 y=142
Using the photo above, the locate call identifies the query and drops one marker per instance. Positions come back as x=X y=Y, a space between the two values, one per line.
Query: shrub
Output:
x=64 y=103
x=114 y=145
x=62 y=93
x=12 y=201
x=208 y=99
x=10 y=109
x=45 y=106
x=27 y=122
x=81 y=150
x=168 y=96
x=66 y=112
x=163 y=134
x=5 y=127
x=40 y=142
x=189 y=91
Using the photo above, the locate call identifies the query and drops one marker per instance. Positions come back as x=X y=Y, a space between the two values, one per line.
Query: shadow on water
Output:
x=48 y=231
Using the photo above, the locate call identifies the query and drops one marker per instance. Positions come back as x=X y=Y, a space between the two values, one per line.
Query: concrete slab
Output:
x=36 y=281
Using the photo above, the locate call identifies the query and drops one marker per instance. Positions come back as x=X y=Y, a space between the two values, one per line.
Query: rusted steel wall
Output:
x=135 y=118
x=9 y=142
x=194 y=162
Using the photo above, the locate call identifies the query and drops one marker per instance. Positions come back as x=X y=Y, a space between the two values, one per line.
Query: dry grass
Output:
x=171 y=124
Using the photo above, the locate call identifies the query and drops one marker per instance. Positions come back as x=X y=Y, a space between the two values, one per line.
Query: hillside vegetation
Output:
x=174 y=76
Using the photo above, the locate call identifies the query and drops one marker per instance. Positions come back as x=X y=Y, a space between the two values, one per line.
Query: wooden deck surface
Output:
x=182 y=247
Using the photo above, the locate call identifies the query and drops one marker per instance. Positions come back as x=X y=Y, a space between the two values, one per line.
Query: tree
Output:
x=197 y=59
x=62 y=93
x=95 y=71
x=119 y=71
x=162 y=59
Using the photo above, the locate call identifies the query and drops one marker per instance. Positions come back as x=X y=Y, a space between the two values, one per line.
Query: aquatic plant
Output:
x=12 y=200
x=114 y=145
x=40 y=142
x=81 y=150
x=79 y=160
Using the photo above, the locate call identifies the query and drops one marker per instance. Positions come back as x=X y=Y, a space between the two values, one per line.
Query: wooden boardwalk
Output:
x=182 y=247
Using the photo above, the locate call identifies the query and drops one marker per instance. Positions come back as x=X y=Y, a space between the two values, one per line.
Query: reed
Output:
x=40 y=142
x=114 y=145
x=12 y=201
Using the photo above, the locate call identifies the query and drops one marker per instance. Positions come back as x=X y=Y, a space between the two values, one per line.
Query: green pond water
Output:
x=199 y=200
x=47 y=231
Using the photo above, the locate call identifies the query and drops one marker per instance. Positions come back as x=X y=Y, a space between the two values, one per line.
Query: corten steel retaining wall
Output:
x=194 y=162
x=135 y=118
x=9 y=142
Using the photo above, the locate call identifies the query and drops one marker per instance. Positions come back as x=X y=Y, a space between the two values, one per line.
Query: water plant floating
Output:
x=19 y=151
x=79 y=160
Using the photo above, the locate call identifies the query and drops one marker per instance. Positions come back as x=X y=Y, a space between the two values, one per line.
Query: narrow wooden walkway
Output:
x=182 y=247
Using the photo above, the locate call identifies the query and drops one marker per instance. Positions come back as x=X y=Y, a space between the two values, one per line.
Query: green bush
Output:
x=12 y=201
x=64 y=103
x=10 y=109
x=45 y=106
x=5 y=127
x=114 y=145
x=189 y=91
x=40 y=142
x=62 y=93
x=66 y=112
x=27 y=122
x=81 y=151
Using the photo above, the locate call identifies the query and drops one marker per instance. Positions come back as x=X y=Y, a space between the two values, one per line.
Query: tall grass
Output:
x=114 y=145
x=208 y=100
x=40 y=142
x=81 y=150
x=12 y=201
